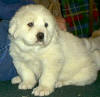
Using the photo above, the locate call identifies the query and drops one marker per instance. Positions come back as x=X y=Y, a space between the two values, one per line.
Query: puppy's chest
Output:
x=34 y=54
x=17 y=53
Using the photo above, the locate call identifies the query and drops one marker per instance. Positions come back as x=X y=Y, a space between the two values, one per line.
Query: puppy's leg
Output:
x=84 y=77
x=49 y=77
x=62 y=83
x=27 y=76
x=16 y=80
x=46 y=82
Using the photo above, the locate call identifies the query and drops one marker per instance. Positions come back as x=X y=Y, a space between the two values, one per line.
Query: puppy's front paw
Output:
x=42 y=91
x=26 y=85
x=16 y=80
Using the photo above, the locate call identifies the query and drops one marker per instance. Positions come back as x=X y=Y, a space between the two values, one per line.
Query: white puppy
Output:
x=42 y=52
x=93 y=46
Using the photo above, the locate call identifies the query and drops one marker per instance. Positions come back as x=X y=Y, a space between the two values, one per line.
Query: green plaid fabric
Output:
x=76 y=14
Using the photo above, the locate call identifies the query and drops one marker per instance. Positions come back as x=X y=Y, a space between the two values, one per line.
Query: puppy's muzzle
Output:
x=40 y=36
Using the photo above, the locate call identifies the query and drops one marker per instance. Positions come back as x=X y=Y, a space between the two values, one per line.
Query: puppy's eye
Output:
x=31 y=24
x=46 y=25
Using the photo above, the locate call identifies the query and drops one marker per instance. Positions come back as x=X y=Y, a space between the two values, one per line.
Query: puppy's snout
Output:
x=40 y=36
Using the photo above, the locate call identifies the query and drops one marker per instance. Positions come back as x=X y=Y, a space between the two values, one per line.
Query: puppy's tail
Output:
x=95 y=40
x=92 y=43
x=93 y=46
x=96 y=57
x=95 y=50
x=95 y=43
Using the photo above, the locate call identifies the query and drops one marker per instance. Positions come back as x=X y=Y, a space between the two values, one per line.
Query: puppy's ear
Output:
x=12 y=28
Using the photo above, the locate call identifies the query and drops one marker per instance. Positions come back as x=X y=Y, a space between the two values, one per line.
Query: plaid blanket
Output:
x=76 y=14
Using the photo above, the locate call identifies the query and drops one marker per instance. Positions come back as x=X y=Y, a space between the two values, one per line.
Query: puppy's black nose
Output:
x=40 y=36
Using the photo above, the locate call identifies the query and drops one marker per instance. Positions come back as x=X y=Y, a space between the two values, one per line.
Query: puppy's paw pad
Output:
x=42 y=91
x=25 y=85
x=16 y=80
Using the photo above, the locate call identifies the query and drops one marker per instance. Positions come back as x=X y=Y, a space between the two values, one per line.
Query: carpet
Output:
x=93 y=90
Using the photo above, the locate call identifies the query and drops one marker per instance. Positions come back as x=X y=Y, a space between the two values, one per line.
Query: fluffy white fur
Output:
x=93 y=46
x=60 y=59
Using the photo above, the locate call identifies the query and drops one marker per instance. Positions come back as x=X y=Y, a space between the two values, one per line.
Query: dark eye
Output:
x=46 y=25
x=31 y=24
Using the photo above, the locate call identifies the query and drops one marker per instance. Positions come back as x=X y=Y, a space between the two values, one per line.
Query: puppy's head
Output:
x=33 y=24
